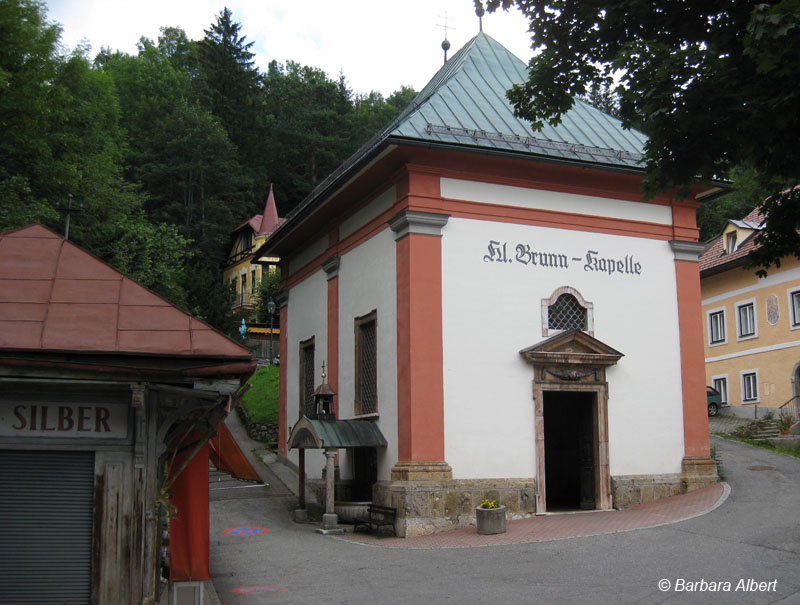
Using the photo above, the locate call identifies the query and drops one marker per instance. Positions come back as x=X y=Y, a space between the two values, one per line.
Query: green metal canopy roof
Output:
x=314 y=434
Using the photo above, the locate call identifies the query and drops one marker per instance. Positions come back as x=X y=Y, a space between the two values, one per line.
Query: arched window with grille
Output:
x=566 y=310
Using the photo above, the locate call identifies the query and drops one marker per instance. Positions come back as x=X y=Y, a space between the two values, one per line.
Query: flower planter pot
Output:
x=491 y=520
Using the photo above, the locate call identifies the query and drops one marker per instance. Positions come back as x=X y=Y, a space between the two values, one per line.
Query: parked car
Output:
x=714 y=400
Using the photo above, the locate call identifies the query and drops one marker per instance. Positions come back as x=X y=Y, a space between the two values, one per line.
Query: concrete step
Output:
x=768 y=429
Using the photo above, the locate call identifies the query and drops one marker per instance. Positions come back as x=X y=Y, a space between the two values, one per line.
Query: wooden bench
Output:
x=377 y=518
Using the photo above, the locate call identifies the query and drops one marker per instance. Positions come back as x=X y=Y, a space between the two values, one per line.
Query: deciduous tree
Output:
x=712 y=85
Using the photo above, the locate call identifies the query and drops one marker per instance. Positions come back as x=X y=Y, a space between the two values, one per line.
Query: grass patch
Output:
x=261 y=401
x=793 y=451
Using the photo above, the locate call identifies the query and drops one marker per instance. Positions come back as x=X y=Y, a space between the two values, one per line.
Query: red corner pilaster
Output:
x=695 y=410
x=420 y=383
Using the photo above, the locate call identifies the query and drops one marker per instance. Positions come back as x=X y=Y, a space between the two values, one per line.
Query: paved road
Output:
x=754 y=535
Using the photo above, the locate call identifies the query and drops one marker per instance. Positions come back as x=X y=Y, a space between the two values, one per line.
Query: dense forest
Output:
x=164 y=152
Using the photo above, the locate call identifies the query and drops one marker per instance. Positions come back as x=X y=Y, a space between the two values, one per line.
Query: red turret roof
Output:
x=267 y=223
x=56 y=297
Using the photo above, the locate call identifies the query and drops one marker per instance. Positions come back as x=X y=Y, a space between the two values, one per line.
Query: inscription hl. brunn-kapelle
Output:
x=592 y=261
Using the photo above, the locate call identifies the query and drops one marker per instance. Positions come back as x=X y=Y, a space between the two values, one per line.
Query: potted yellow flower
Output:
x=490 y=517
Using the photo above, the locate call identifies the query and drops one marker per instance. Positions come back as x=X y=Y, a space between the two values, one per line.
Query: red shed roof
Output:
x=55 y=296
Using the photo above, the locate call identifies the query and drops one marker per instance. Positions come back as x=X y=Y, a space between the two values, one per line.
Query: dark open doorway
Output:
x=570 y=450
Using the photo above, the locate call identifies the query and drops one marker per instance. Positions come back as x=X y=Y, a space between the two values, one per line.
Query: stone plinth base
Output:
x=330 y=521
x=697 y=473
x=421 y=471
x=629 y=490
x=427 y=507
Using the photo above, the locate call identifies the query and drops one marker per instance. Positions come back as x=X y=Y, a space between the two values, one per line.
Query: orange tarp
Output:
x=226 y=455
x=188 y=531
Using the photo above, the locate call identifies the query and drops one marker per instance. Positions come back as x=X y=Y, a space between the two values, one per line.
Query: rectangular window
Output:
x=730 y=242
x=795 y=302
x=720 y=384
x=366 y=370
x=746 y=319
x=253 y=286
x=716 y=327
x=749 y=387
x=306 y=372
x=243 y=294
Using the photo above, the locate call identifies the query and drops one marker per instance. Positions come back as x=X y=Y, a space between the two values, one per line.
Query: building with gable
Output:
x=502 y=305
x=108 y=398
x=750 y=324
x=241 y=270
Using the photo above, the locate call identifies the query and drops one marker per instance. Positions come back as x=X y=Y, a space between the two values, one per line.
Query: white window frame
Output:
x=743 y=374
x=730 y=242
x=740 y=305
x=724 y=392
x=794 y=318
x=724 y=341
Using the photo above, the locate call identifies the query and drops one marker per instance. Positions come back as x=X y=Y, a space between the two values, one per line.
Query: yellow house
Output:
x=751 y=325
x=242 y=269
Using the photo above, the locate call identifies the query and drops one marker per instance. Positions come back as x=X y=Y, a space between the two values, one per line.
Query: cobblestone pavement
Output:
x=723 y=423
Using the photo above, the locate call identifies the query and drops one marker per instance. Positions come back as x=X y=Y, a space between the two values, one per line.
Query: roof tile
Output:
x=25 y=290
x=22 y=311
x=140 y=317
x=167 y=342
x=75 y=263
x=81 y=327
x=85 y=291
x=16 y=334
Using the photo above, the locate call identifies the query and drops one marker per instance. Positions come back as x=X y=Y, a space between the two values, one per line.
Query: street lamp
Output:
x=271 y=311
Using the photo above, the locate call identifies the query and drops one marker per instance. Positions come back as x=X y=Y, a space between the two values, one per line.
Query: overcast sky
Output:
x=378 y=45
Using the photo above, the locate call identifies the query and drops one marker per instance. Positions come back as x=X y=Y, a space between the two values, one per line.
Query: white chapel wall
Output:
x=368 y=281
x=492 y=310
x=308 y=304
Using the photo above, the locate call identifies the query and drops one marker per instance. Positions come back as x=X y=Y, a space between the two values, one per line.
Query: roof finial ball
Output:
x=480 y=13
x=445 y=48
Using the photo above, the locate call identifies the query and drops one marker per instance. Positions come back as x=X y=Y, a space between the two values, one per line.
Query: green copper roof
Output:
x=465 y=104
x=465 y=107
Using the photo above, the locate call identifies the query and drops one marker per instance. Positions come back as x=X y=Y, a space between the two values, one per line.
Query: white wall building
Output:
x=502 y=305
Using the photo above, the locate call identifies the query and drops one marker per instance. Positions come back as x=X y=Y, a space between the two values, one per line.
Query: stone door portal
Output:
x=570 y=396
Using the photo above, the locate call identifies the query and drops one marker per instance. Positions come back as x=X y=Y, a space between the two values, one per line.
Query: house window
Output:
x=750 y=386
x=720 y=384
x=243 y=293
x=566 y=314
x=307 y=377
x=253 y=286
x=794 y=301
x=366 y=361
x=730 y=242
x=716 y=327
x=746 y=319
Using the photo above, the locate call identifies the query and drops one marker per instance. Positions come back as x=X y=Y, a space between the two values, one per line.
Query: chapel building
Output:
x=502 y=305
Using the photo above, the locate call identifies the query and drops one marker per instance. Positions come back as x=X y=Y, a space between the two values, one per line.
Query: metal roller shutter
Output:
x=46 y=527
